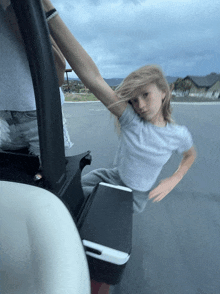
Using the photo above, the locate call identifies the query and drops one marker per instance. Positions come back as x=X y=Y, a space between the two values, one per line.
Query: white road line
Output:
x=82 y=102
x=197 y=103
x=186 y=103
x=102 y=109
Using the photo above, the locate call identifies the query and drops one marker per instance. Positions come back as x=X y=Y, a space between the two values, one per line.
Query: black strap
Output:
x=50 y=12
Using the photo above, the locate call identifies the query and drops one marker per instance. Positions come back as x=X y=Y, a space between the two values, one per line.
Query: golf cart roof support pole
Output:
x=35 y=33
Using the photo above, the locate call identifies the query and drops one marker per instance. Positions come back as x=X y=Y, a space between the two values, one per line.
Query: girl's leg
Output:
x=140 y=200
x=90 y=180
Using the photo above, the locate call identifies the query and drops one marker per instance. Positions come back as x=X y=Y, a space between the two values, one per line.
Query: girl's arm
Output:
x=167 y=185
x=81 y=63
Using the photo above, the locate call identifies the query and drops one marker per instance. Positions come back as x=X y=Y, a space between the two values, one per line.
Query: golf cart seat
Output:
x=41 y=251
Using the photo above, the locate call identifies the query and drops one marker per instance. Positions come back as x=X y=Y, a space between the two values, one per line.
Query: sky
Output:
x=182 y=36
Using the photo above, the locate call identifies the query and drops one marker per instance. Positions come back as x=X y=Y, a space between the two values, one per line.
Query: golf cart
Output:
x=53 y=240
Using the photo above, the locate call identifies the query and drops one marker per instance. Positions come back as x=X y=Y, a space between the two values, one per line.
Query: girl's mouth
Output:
x=143 y=113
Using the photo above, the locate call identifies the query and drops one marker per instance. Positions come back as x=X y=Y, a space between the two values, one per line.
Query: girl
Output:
x=147 y=139
x=142 y=106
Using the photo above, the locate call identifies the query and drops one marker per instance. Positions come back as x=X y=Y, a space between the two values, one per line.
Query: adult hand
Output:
x=164 y=188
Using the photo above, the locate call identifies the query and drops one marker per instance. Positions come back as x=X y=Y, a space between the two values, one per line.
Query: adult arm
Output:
x=82 y=63
x=167 y=185
x=60 y=62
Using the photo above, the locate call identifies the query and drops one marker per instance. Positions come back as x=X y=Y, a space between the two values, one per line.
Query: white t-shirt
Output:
x=16 y=87
x=145 y=148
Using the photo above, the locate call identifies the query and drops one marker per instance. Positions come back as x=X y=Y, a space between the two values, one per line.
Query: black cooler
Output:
x=106 y=231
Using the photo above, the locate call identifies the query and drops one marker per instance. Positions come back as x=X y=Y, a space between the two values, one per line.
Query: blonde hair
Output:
x=149 y=74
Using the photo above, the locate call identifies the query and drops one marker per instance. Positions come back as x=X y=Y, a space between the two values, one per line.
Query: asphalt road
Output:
x=176 y=242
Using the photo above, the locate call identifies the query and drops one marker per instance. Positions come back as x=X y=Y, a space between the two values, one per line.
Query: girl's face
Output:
x=147 y=103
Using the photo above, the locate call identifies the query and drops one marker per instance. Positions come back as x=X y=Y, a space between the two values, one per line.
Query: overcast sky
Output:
x=182 y=36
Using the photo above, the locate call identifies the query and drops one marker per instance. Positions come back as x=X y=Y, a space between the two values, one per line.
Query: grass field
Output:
x=72 y=97
x=80 y=97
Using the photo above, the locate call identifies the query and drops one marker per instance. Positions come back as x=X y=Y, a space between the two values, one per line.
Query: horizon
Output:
x=167 y=76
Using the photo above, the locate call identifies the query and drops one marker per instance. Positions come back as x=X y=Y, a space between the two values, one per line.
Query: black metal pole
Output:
x=68 y=70
x=35 y=33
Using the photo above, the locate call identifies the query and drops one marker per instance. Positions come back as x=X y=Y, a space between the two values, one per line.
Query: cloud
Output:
x=122 y=35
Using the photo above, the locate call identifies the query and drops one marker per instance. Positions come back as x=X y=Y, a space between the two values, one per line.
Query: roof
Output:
x=206 y=81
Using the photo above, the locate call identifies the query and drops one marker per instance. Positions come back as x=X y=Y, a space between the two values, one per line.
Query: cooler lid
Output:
x=109 y=219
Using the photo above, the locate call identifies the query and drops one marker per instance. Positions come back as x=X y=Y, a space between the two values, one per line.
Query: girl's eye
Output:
x=134 y=100
x=145 y=94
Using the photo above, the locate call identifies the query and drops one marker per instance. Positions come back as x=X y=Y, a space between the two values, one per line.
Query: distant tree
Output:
x=77 y=88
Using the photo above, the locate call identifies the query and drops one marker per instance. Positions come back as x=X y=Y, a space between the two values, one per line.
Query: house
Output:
x=206 y=86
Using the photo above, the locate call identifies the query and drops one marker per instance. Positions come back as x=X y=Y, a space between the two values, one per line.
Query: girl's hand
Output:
x=164 y=188
x=168 y=184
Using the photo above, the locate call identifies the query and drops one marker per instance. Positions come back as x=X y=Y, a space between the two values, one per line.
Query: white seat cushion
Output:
x=41 y=251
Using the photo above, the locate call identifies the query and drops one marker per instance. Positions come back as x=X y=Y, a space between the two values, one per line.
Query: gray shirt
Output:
x=145 y=148
x=16 y=88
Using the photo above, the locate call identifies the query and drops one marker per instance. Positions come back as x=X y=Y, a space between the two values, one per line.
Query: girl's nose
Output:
x=141 y=103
